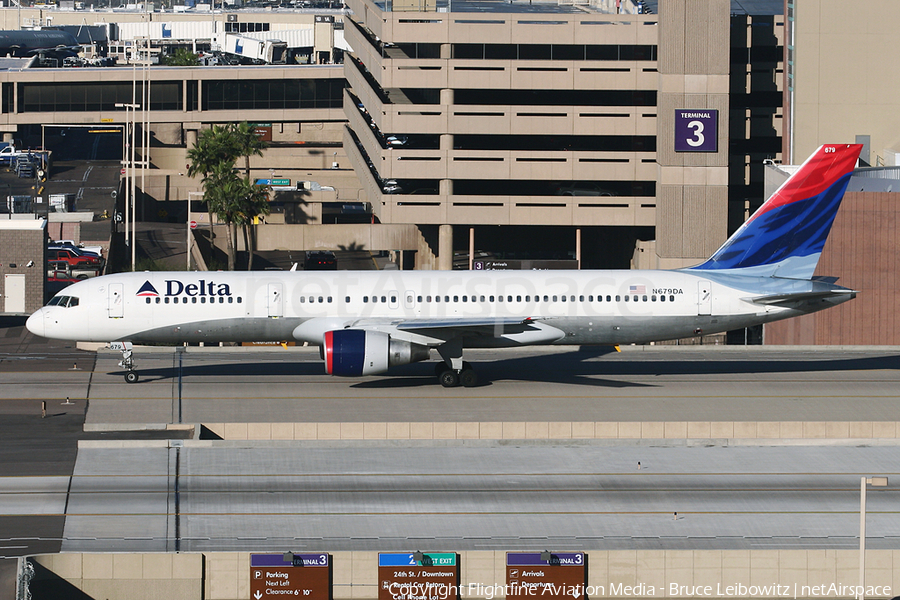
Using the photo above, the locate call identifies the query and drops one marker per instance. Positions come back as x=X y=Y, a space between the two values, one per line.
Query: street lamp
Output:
x=130 y=115
x=874 y=482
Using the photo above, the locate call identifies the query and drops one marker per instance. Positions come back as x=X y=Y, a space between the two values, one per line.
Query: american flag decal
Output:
x=637 y=289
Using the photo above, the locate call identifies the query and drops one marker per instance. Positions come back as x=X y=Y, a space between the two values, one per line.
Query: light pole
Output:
x=874 y=482
x=130 y=207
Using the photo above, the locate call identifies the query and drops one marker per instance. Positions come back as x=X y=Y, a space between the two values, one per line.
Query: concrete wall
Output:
x=692 y=192
x=861 y=252
x=847 y=77
x=21 y=242
x=686 y=431
x=123 y=576
x=338 y=237
x=648 y=573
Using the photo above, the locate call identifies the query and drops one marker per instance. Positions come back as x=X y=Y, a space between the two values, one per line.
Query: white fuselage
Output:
x=566 y=307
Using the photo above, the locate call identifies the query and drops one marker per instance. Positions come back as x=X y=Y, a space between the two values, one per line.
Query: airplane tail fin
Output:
x=785 y=237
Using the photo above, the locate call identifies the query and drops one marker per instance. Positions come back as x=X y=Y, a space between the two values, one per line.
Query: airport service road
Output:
x=534 y=384
x=317 y=497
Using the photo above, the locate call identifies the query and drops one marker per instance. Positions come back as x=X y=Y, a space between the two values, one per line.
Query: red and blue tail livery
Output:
x=785 y=237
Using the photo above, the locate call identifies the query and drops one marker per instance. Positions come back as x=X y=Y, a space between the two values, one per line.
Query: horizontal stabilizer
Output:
x=795 y=298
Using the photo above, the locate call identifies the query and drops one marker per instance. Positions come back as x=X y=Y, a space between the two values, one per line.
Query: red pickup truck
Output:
x=75 y=258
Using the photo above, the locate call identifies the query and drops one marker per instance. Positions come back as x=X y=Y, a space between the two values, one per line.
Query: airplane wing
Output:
x=435 y=332
x=469 y=323
x=441 y=330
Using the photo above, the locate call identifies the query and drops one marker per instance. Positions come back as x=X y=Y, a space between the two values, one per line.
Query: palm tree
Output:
x=234 y=200
x=254 y=203
x=222 y=192
x=213 y=146
x=246 y=143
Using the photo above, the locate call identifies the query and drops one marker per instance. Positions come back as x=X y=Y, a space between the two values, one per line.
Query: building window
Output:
x=263 y=94
x=94 y=97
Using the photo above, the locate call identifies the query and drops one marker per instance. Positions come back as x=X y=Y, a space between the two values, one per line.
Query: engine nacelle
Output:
x=354 y=352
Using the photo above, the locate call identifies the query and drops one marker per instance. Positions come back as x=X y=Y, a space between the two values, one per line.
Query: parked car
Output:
x=78 y=251
x=56 y=266
x=320 y=260
x=57 y=280
x=98 y=250
x=395 y=141
x=583 y=188
x=75 y=258
x=390 y=186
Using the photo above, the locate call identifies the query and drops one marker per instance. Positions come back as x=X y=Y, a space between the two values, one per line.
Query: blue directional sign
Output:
x=407 y=559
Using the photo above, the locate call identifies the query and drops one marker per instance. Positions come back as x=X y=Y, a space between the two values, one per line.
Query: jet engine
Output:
x=353 y=352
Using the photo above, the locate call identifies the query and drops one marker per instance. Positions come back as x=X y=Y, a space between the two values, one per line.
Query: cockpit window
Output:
x=65 y=301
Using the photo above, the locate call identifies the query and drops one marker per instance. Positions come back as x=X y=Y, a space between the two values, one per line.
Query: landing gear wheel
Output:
x=449 y=378
x=131 y=377
x=468 y=377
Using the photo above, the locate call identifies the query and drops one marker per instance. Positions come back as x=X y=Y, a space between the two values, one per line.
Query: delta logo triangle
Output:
x=147 y=290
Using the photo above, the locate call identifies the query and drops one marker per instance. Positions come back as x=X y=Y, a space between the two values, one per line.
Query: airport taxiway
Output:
x=224 y=497
x=661 y=383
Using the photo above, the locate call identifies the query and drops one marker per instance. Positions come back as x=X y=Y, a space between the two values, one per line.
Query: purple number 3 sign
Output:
x=696 y=130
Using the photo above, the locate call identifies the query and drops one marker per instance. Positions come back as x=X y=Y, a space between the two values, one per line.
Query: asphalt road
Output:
x=380 y=496
x=35 y=446
x=532 y=384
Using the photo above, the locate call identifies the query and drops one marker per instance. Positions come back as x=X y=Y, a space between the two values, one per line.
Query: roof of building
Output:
x=739 y=7
x=504 y=6
x=26 y=222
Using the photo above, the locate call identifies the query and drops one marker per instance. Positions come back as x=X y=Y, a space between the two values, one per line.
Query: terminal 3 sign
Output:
x=546 y=575
x=418 y=576
x=290 y=575
x=696 y=130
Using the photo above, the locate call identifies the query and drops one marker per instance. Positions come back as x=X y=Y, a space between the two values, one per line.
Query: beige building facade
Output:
x=557 y=115
x=842 y=84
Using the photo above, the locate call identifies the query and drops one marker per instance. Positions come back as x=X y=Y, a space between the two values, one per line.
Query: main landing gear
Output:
x=449 y=377
x=127 y=361
x=452 y=371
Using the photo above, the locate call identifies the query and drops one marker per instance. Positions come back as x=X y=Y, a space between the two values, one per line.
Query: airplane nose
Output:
x=35 y=323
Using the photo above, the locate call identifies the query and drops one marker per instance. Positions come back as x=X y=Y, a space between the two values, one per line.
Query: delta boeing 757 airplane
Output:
x=369 y=321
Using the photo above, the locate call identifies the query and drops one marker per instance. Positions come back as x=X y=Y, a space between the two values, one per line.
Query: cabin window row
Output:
x=437 y=299
x=193 y=299
x=545 y=298
x=517 y=298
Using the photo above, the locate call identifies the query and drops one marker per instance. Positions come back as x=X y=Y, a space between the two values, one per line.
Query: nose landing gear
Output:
x=127 y=361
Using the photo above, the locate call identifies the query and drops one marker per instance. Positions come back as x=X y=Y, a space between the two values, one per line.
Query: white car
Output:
x=395 y=141
x=98 y=250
